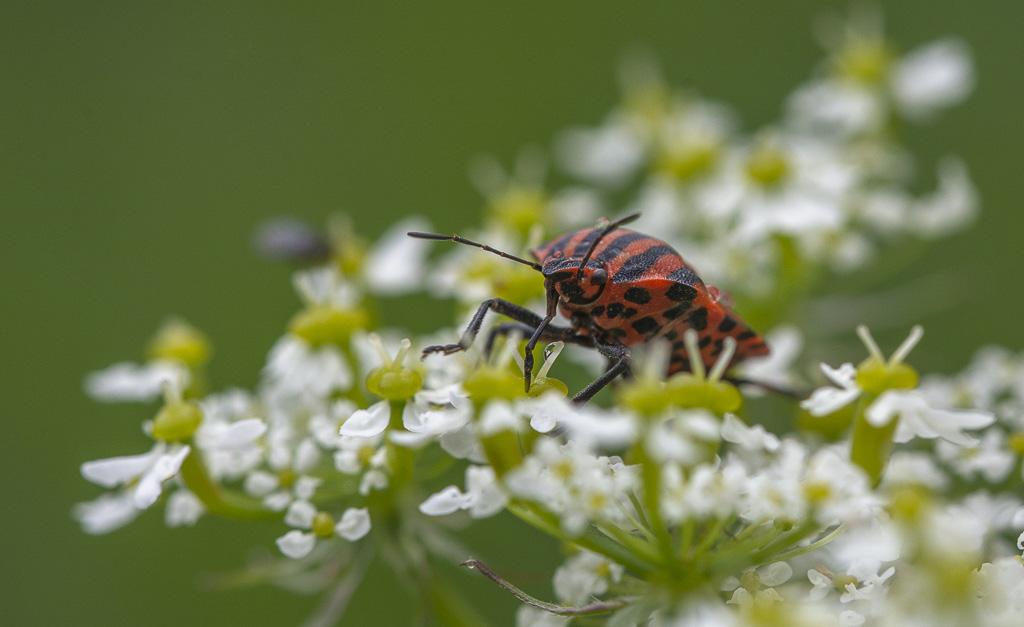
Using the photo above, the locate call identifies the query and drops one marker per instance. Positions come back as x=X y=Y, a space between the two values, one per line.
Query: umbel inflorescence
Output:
x=881 y=497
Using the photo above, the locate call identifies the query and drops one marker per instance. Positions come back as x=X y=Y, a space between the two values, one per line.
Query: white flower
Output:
x=128 y=382
x=910 y=468
x=396 y=262
x=183 y=509
x=276 y=497
x=776 y=367
x=933 y=77
x=917 y=419
x=869 y=588
x=606 y=155
x=483 y=497
x=991 y=458
x=768 y=576
x=821 y=584
x=235 y=435
x=366 y=423
x=573 y=483
x=436 y=412
x=834 y=108
x=107 y=512
x=150 y=470
x=826 y=400
x=683 y=437
x=294 y=368
x=584 y=576
x=296 y=544
x=354 y=524
x=300 y=514
x=754 y=438
x=529 y=616
x=590 y=427
x=952 y=205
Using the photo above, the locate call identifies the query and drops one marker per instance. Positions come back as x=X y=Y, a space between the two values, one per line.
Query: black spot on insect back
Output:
x=645 y=324
x=675 y=312
x=597 y=311
x=614 y=309
x=638 y=295
x=681 y=292
x=698 y=320
x=628 y=312
x=727 y=324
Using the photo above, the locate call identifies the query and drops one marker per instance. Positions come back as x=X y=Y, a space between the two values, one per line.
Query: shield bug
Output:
x=618 y=289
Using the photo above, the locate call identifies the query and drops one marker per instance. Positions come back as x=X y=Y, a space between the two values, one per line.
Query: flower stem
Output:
x=216 y=500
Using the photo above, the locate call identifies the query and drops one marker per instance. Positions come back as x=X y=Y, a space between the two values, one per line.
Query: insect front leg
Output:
x=616 y=353
x=502 y=306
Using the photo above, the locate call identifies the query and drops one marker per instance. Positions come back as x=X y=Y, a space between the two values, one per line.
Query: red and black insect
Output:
x=619 y=289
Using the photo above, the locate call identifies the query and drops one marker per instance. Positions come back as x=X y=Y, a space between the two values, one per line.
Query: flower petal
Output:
x=106 y=513
x=354 y=524
x=369 y=422
x=447 y=501
x=241 y=433
x=300 y=514
x=128 y=382
x=151 y=483
x=115 y=471
x=296 y=544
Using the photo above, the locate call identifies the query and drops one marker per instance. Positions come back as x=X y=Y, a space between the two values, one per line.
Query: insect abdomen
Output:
x=713 y=323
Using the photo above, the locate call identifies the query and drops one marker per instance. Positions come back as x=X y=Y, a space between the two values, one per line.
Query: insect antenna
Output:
x=463 y=240
x=597 y=240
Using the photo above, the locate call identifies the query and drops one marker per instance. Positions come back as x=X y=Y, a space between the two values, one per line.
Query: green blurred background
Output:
x=142 y=142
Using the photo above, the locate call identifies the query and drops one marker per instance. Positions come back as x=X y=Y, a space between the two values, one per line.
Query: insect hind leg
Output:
x=616 y=353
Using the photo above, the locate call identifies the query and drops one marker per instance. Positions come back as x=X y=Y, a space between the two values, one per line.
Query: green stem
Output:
x=402 y=459
x=535 y=516
x=651 y=474
x=771 y=550
x=628 y=540
x=817 y=544
x=601 y=607
x=216 y=500
x=871 y=445
x=711 y=535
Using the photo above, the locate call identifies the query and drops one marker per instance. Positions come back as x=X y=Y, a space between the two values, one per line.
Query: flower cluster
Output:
x=878 y=498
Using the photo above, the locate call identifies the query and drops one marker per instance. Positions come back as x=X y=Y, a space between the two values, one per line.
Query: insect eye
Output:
x=599 y=276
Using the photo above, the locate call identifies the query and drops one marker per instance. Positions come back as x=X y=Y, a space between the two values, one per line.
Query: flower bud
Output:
x=319 y=325
x=177 y=421
x=876 y=376
x=177 y=340
x=691 y=392
x=323 y=525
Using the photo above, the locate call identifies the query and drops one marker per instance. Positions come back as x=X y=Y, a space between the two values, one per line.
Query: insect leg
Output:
x=552 y=309
x=769 y=387
x=512 y=310
x=551 y=334
x=616 y=352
